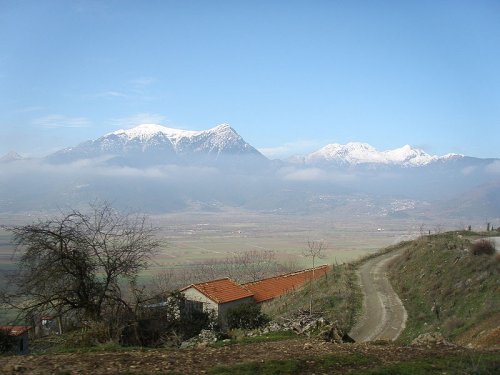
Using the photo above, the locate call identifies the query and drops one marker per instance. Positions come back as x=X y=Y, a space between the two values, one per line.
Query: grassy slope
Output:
x=439 y=270
x=365 y=364
x=337 y=295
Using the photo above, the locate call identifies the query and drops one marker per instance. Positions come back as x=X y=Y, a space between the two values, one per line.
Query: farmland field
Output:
x=195 y=237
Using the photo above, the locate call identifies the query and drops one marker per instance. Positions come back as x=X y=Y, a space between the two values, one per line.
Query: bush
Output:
x=483 y=247
x=168 y=323
x=6 y=341
x=246 y=316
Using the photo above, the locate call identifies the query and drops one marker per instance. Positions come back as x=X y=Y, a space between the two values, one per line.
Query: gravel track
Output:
x=384 y=316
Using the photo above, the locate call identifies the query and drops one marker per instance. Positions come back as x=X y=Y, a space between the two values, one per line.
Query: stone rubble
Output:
x=431 y=339
x=302 y=323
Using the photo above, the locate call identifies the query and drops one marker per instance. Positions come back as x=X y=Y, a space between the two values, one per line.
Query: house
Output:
x=221 y=294
x=21 y=338
x=272 y=287
x=217 y=296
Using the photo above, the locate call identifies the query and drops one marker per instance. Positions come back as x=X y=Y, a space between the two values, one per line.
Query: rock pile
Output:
x=431 y=339
x=205 y=338
x=304 y=323
x=301 y=323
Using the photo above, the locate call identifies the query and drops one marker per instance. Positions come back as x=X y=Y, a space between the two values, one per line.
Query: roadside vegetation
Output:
x=366 y=364
x=449 y=283
x=336 y=296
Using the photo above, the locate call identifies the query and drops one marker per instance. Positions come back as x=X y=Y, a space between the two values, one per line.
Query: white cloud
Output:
x=493 y=167
x=111 y=94
x=137 y=119
x=61 y=121
x=143 y=81
x=309 y=174
x=468 y=170
x=291 y=148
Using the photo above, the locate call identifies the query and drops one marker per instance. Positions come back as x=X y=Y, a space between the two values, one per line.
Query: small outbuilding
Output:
x=21 y=338
x=217 y=296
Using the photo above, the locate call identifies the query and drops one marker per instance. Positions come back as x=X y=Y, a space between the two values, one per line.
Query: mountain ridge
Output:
x=157 y=144
x=355 y=153
x=174 y=144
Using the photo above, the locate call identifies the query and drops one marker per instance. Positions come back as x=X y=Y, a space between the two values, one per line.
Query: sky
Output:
x=288 y=76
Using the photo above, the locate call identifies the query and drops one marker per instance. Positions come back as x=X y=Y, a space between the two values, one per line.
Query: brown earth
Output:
x=483 y=335
x=198 y=361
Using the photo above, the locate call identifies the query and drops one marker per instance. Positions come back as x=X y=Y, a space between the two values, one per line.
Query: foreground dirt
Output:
x=198 y=361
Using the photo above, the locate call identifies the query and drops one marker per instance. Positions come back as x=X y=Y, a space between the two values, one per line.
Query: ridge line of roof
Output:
x=207 y=282
x=197 y=286
x=287 y=274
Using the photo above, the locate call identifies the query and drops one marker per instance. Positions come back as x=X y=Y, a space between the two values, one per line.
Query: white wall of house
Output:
x=208 y=305
x=194 y=295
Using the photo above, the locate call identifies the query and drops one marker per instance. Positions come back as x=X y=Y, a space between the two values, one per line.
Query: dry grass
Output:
x=444 y=287
x=337 y=295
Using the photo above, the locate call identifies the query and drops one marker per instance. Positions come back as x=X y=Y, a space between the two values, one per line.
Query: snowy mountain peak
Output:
x=148 y=131
x=222 y=128
x=145 y=132
x=355 y=153
x=157 y=144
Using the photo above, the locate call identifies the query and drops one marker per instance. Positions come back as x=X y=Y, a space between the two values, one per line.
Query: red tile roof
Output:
x=222 y=290
x=15 y=330
x=266 y=289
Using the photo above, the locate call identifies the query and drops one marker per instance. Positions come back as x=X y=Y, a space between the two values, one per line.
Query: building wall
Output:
x=21 y=344
x=218 y=309
x=194 y=295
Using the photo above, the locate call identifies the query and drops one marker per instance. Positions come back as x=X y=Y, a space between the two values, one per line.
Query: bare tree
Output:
x=314 y=250
x=78 y=262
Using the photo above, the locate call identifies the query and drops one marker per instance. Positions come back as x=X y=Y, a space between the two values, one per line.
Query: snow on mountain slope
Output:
x=162 y=144
x=355 y=153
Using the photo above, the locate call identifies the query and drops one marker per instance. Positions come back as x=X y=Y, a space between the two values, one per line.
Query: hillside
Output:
x=446 y=288
x=336 y=296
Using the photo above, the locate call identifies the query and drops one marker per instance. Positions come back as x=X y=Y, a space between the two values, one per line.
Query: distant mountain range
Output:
x=159 y=169
x=151 y=144
x=355 y=153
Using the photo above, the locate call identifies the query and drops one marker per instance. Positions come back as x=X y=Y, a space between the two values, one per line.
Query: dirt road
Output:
x=384 y=315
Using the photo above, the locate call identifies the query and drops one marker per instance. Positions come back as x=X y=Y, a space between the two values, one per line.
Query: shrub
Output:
x=246 y=316
x=483 y=247
x=166 y=323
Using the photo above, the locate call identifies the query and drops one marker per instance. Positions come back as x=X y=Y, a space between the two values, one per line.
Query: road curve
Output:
x=384 y=316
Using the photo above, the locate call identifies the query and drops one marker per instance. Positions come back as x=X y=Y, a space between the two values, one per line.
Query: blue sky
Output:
x=289 y=76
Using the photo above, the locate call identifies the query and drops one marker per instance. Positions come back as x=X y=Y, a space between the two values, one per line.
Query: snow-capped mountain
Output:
x=159 y=169
x=157 y=144
x=355 y=153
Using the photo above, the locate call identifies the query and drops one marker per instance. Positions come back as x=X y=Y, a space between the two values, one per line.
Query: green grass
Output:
x=360 y=364
x=467 y=363
x=295 y=366
x=337 y=295
x=439 y=270
x=271 y=336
